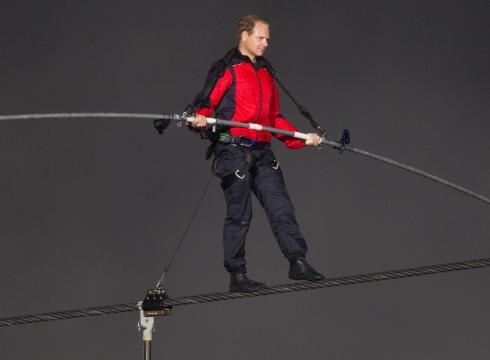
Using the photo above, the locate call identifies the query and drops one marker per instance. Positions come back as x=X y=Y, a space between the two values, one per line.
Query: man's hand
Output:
x=313 y=140
x=197 y=121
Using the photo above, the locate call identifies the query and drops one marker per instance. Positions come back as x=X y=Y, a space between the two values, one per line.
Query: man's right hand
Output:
x=313 y=140
x=197 y=121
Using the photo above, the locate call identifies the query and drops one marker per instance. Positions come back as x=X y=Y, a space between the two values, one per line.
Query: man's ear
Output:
x=244 y=36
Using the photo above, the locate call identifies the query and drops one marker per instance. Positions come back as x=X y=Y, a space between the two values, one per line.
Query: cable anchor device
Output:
x=154 y=303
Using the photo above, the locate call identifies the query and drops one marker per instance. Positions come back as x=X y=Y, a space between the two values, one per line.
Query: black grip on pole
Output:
x=344 y=140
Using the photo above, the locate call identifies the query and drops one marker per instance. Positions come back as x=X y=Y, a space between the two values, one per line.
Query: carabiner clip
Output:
x=239 y=176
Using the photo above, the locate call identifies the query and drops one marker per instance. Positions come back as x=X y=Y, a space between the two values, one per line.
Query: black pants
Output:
x=246 y=170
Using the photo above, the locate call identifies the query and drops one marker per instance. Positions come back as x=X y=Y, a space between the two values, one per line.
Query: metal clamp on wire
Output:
x=344 y=140
x=183 y=118
x=190 y=111
x=154 y=303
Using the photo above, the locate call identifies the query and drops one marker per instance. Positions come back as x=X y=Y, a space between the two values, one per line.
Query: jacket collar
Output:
x=260 y=61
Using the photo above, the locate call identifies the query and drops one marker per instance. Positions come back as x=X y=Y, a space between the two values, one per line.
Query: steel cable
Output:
x=274 y=290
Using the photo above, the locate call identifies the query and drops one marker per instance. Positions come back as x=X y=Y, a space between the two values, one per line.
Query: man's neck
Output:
x=244 y=52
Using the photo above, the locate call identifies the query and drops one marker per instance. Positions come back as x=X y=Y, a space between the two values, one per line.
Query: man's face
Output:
x=256 y=43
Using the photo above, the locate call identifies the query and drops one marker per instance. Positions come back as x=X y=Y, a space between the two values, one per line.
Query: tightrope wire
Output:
x=274 y=290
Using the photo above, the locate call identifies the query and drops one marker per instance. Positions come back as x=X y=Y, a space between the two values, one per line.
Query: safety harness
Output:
x=257 y=157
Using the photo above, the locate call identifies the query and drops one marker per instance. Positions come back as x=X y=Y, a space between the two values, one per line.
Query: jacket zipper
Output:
x=260 y=99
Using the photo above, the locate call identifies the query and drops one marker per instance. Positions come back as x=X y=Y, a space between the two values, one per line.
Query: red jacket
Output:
x=239 y=90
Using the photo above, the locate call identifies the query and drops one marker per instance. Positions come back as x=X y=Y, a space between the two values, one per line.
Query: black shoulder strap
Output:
x=302 y=110
x=269 y=68
x=215 y=73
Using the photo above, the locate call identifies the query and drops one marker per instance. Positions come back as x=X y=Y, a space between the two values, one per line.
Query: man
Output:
x=239 y=87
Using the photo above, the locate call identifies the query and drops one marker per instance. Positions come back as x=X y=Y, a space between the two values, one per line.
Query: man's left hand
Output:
x=313 y=140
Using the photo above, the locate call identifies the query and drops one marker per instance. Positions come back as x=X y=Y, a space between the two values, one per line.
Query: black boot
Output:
x=240 y=282
x=299 y=269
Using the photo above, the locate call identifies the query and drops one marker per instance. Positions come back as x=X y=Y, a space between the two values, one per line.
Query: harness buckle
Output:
x=245 y=142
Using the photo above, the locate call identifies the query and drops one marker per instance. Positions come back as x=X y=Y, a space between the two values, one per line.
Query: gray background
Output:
x=91 y=210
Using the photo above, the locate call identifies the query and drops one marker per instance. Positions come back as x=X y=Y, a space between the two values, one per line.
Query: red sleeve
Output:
x=223 y=83
x=280 y=122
